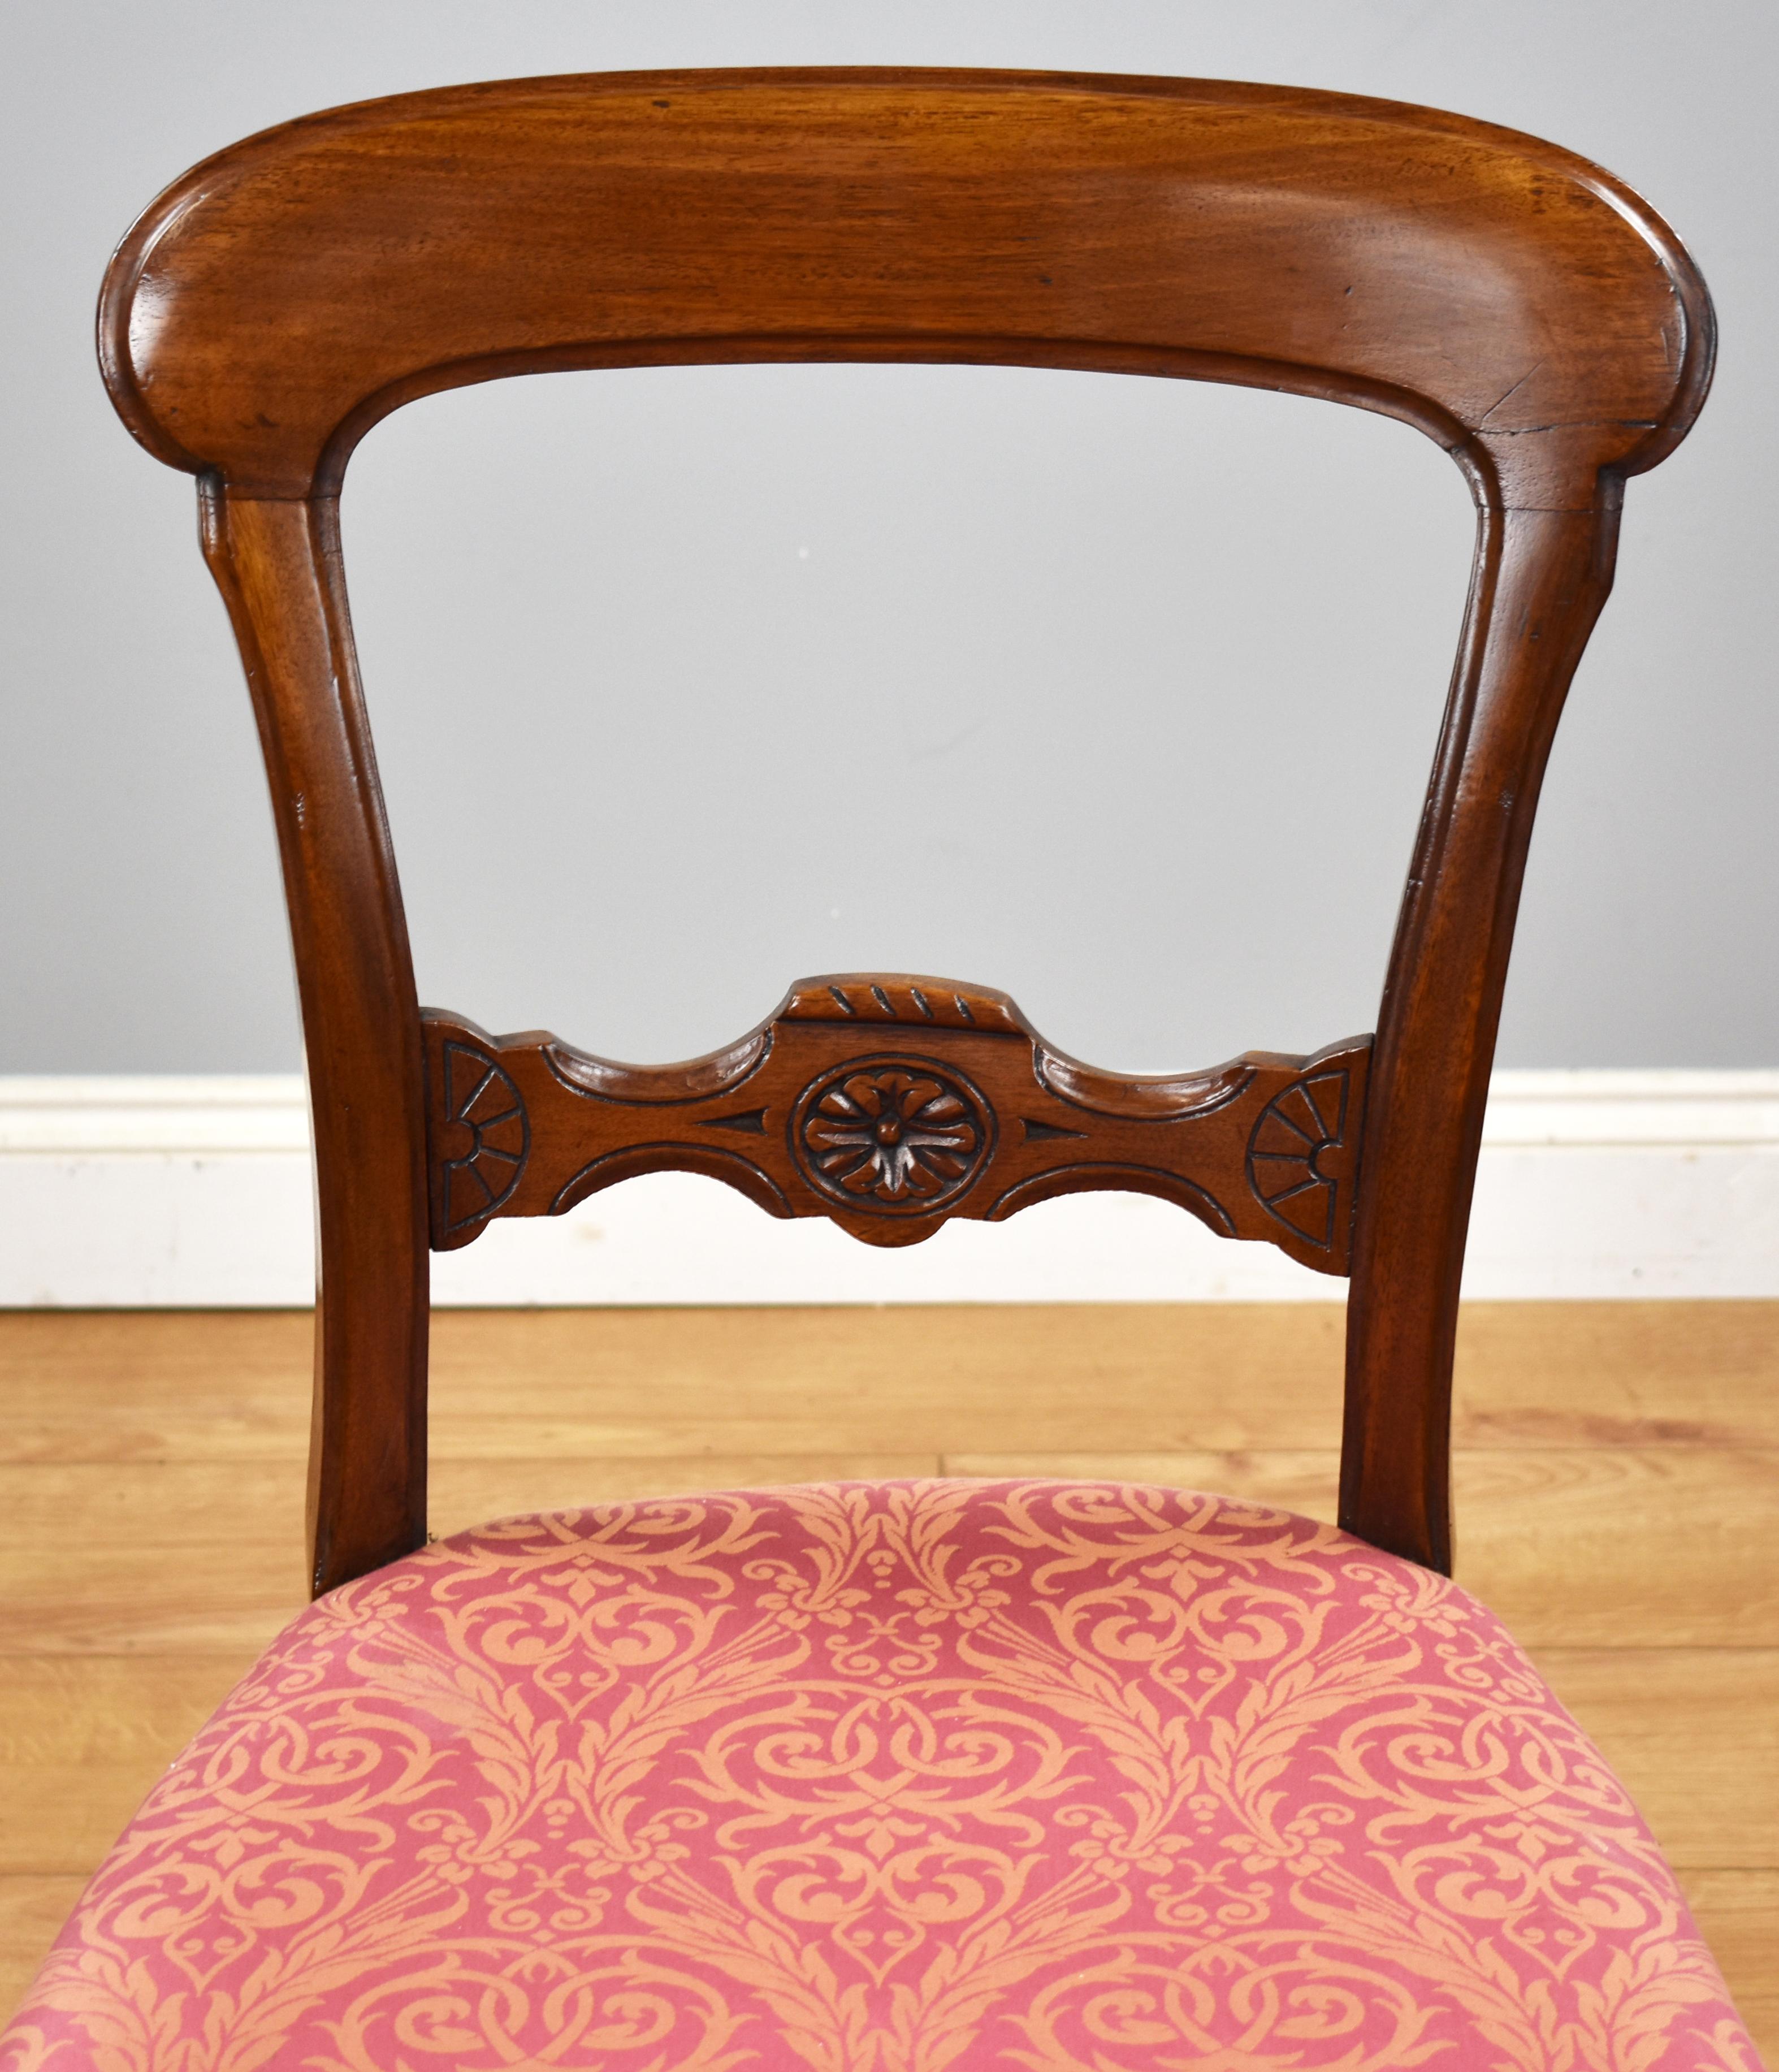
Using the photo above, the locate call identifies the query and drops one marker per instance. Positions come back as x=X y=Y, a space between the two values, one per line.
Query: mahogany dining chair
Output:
x=906 y=1776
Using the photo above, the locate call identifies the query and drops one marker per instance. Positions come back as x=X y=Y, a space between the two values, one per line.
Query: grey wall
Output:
x=689 y=681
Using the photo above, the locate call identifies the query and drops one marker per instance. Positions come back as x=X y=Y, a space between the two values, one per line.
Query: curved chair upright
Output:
x=899 y=1777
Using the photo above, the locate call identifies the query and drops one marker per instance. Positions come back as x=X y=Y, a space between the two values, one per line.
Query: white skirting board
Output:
x=195 y=1193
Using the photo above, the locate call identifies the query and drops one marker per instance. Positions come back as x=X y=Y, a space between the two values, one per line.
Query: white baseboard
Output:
x=195 y=1193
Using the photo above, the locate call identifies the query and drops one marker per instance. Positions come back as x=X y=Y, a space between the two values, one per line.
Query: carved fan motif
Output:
x=480 y=1098
x=1289 y=1155
x=814 y=1113
x=891 y=1134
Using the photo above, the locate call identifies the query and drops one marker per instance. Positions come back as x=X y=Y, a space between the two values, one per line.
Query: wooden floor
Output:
x=1618 y=1479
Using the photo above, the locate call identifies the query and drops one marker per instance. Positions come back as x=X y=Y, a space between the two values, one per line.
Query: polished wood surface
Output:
x=279 y=567
x=1513 y=302
x=1506 y=296
x=1618 y=1466
x=889 y=1103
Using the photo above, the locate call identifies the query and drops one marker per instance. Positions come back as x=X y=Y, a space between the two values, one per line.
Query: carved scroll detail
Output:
x=890 y=1102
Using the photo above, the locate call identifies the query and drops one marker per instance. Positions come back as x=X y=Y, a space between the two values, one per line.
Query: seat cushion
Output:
x=904 y=1777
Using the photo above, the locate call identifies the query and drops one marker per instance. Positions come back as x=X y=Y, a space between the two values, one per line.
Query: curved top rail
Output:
x=1514 y=301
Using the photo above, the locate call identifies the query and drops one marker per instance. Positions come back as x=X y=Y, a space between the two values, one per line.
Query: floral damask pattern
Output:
x=931 y=1777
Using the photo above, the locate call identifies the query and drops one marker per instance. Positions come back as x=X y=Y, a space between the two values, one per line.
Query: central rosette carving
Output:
x=891 y=1134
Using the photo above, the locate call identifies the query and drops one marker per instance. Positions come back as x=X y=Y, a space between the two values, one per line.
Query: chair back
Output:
x=1512 y=301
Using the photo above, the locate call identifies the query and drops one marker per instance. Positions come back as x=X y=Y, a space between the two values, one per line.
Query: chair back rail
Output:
x=1512 y=301
x=890 y=1103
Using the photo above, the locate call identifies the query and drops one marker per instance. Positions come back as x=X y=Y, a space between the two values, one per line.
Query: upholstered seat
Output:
x=921 y=1778
x=888 y=1776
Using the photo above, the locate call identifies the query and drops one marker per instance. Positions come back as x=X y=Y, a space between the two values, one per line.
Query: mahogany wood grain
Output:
x=277 y=564
x=1540 y=579
x=889 y=1103
x=1506 y=296
x=1512 y=301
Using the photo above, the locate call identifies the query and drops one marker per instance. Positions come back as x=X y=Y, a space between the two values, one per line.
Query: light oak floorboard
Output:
x=32 y=1910
x=1738 y=1915
x=1216 y=1378
x=466 y=1493
x=1618 y=1477
x=1693 y=1733
x=1610 y=1546
x=83 y=1740
x=116 y=1386
x=205 y=1557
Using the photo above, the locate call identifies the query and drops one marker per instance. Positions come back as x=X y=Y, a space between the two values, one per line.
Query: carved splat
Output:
x=889 y=1103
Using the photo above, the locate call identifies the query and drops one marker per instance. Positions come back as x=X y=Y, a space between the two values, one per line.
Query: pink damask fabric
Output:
x=927 y=1777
